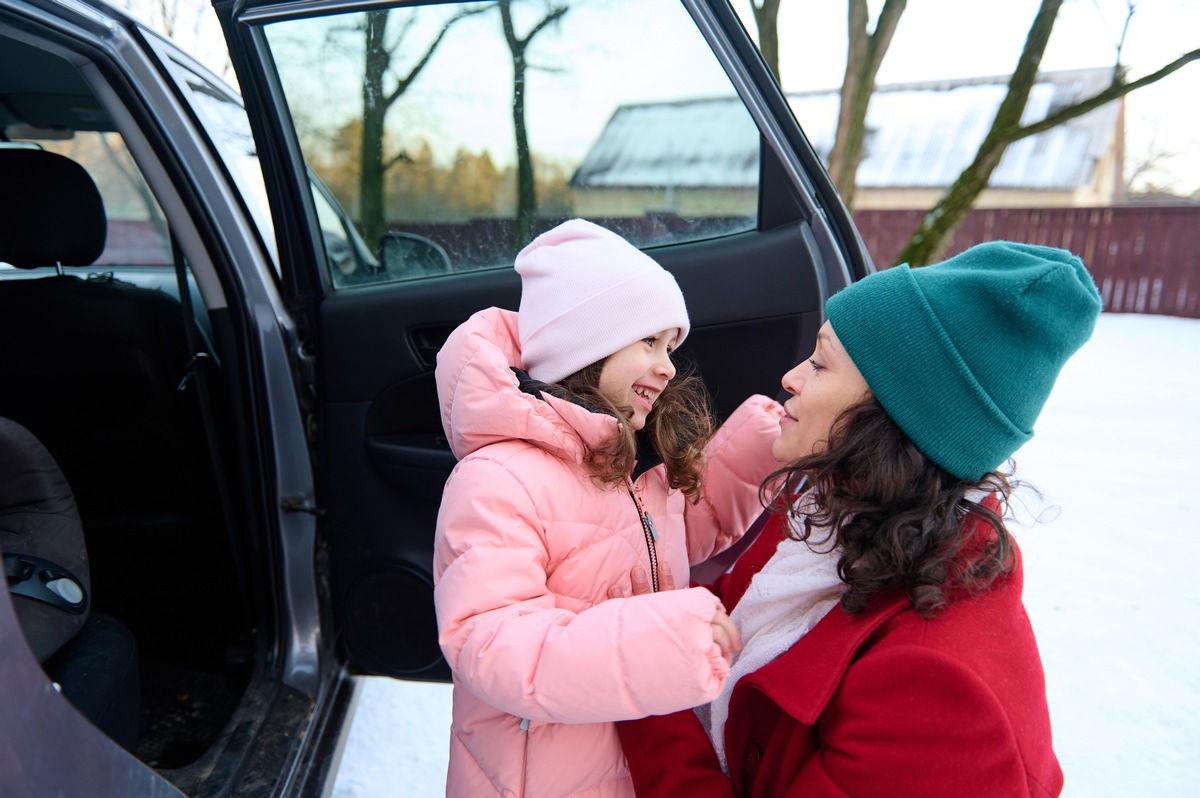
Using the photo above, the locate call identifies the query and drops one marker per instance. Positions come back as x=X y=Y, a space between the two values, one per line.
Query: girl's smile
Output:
x=635 y=376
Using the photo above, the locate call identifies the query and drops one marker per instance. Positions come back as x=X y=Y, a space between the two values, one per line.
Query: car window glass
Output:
x=137 y=234
x=224 y=119
x=407 y=116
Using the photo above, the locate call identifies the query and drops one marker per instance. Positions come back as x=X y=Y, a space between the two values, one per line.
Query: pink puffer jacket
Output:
x=527 y=548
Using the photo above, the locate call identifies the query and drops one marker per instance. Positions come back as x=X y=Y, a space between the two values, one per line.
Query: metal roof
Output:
x=919 y=135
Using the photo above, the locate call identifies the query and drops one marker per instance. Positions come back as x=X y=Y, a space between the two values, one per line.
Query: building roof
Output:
x=920 y=135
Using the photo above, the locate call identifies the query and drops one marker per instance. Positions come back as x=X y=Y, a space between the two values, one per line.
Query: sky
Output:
x=1115 y=455
x=942 y=39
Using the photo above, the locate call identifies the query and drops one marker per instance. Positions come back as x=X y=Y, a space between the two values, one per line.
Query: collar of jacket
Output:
x=647 y=455
x=482 y=403
x=826 y=653
x=823 y=656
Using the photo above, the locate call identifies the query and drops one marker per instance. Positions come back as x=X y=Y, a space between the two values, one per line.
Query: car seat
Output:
x=91 y=656
x=91 y=365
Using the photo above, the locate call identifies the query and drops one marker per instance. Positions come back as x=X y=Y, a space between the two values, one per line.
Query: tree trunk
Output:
x=526 y=219
x=933 y=235
x=766 y=19
x=377 y=98
x=525 y=227
x=375 y=106
x=523 y=224
x=864 y=55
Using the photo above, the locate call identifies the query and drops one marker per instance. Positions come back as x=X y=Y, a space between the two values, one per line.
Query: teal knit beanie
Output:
x=963 y=354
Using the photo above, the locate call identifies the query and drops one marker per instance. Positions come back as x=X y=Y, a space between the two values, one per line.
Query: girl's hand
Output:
x=641 y=581
x=725 y=635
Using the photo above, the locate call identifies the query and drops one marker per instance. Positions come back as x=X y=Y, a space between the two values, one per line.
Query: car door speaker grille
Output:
x=391 y=626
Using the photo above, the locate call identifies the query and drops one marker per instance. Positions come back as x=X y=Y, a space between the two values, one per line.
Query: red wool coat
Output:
x=885 y=703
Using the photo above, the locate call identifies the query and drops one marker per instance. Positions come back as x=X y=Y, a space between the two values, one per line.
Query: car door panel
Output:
x=754 y=302
x=755 y=275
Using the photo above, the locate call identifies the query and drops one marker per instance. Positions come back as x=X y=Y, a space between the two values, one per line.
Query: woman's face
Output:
x=636 y=375
x=821 y=388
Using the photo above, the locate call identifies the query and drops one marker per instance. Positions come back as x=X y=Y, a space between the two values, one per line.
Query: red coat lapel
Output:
x=803 y=679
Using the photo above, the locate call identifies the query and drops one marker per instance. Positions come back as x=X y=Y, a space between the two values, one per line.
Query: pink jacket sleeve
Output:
x=509 y=642
x=739 y=459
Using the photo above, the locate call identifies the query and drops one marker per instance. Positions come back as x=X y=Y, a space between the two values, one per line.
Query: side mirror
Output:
x=407 y=255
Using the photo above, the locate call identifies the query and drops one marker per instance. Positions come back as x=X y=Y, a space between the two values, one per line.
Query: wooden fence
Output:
x=1144 y=258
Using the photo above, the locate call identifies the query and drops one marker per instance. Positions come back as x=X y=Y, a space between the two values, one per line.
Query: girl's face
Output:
x=636 y=375
x=822 y=387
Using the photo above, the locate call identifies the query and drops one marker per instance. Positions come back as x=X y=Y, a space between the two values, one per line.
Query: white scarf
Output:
x=786 y=599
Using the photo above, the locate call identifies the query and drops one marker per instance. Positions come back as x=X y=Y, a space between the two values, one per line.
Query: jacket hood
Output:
x=482 y=402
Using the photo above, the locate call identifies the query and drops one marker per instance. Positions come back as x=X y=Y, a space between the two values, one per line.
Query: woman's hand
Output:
x=724 y=633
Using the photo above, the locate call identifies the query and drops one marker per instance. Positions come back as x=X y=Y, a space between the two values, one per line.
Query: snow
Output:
x=1116 y=611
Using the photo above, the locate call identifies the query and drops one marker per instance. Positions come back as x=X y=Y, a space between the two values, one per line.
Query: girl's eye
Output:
x=650 y=341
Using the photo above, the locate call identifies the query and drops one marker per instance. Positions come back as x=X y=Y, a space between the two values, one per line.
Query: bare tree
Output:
x=766 y=19
x=380 y=90
x=933 y=234
x=525 y=226
x=864 y=54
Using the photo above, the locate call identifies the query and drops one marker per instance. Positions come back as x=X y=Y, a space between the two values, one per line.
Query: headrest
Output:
x=50 y=211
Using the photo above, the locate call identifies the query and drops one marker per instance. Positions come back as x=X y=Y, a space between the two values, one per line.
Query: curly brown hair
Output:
x=678 y=428
x=898 y=515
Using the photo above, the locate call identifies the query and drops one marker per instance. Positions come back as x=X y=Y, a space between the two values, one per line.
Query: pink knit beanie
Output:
x=587 y=293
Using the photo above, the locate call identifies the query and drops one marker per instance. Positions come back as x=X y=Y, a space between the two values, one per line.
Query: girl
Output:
x=926 y=680
x=585 y=461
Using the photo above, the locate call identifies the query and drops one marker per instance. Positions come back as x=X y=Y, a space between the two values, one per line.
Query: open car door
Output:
x=411 y=150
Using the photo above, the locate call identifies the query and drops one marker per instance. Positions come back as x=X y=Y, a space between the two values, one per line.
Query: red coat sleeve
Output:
x=670 y=756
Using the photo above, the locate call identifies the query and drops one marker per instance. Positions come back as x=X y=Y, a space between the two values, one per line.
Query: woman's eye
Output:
x=815 y=365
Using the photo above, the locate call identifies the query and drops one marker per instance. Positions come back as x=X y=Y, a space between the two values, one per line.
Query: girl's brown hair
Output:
x=898 y=515
x=678 y=428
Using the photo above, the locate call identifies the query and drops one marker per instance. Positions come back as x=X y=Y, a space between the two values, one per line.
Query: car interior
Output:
x=90 y=655
x=102 y=367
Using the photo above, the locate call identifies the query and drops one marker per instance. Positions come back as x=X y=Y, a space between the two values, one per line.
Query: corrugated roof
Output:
x=920 y=135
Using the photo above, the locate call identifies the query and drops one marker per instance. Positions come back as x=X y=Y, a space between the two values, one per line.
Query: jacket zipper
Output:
x=651 y=535
x=525 y=758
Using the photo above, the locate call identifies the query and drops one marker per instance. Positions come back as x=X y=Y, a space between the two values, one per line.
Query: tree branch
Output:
x=402 y=84
x=400 y=157
x=885 y=28
x=551 y=17
x=1115 y=91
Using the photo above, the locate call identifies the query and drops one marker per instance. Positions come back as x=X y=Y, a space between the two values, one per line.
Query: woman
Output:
x=885 y=648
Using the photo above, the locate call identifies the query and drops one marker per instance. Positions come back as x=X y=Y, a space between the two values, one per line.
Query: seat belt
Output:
x=198 y=362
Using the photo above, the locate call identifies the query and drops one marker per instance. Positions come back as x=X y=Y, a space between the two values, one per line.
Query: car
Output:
x=221 y=313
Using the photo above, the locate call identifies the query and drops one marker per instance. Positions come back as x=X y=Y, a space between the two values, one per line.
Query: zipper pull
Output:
x=524 y=724
x=653 y=529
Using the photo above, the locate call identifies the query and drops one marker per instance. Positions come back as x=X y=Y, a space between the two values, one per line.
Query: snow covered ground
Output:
x=1108 y=583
